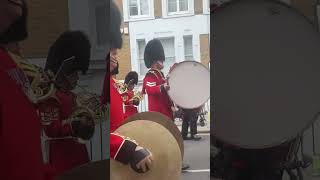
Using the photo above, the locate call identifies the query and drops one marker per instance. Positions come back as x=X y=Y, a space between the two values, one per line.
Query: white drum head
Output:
x=266 y=73
x=189 y=84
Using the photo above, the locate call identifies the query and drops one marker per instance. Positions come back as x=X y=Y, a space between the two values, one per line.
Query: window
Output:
x=138 y=8
x=188 y=48
x=169 y=51
x=141 y=45
x=175 y=6
x=101 y=25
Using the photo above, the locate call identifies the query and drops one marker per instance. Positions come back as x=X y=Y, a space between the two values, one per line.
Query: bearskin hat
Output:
x=68 y=44
x=115 y=38
x=153 y=52
x=18 y=30
x=132 y=77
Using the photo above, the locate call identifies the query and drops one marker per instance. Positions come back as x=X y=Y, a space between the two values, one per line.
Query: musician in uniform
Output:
x=129 y=100
x=65 y=151
x=155 y=84
x=190 y=118
x=122 y=149
x=20 y=146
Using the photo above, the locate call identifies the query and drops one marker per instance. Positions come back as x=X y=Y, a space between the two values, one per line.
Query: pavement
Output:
x=197 y=156
x=204 y=129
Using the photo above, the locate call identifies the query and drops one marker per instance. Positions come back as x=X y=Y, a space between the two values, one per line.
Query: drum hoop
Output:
x=162 y=120
x=308 y=125
x=183 y=62
x=230 y=3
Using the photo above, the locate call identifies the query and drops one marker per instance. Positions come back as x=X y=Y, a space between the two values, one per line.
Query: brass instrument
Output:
x=91 y=102
x=123 y=88
x=138 y=96
x=43 y=87
x=42 y=82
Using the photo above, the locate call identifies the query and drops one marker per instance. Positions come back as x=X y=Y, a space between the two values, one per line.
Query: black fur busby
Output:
x=131 y=77
x=115 y=37
x=18 y=30
x=153 y=52
x=70 y=43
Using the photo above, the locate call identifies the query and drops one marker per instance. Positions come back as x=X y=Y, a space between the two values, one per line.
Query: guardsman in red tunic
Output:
x=130 y=103
x=122 y=149
x=20 y=145
x=154 y=83
x=65 y=151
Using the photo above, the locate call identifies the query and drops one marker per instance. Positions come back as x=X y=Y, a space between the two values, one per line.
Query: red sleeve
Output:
x=116 y=108
x=121 y=148
x=150 y=85
x=20 y=149
x=53 y=125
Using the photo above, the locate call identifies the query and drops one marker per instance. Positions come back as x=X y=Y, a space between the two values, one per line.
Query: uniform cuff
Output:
x=126 y=152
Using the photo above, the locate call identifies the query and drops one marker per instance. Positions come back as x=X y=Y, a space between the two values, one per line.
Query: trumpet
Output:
x=41 y=81
x=138 y=96
x=91 y=102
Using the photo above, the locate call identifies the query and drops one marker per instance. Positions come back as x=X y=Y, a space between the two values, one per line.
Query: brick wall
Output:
x=125 y=58
x=47 y=20
x=125 y=55
x=198 y=6
x=157 y=8
x=204 y=49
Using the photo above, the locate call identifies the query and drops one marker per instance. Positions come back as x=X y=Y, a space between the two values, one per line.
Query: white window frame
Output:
x=166 y=14
x=137 y=55
x=192 y=45
x=206 y=6
x=128 y=18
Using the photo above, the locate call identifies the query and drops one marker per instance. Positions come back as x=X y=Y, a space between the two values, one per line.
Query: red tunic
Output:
x=130 y=108
x=116 y=107
x=65 y=152
x=158 y=101
x=121 y=148
x=20 y=147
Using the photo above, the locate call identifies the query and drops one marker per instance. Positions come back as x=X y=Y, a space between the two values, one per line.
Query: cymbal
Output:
x=164 y=121
x=165 y=149
x=98 y=170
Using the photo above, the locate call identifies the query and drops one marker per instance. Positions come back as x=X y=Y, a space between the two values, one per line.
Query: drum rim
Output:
x=190 y=61
x=231 y=2
x=310 y=122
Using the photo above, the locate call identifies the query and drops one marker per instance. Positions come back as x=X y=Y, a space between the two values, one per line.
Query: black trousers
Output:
x=189 y=119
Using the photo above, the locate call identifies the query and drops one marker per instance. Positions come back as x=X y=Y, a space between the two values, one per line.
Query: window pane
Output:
x=169 y=50
x=133 y=6
x=188 y=48
x=172 y=5
x=183 y=5
x=141 y=46
x=144 y=7
x=101 y=25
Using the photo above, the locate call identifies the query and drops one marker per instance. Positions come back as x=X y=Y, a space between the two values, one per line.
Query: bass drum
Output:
x=189 y=84
x=265 y=75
